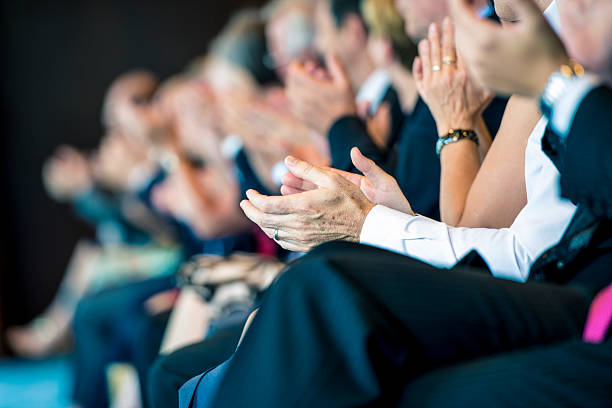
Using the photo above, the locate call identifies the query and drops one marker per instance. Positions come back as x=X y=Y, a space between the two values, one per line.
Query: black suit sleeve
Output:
x=586 y=170
x=346 y=133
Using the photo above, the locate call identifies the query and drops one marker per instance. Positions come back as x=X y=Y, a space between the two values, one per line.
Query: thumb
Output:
x=336 y=70
x=373 y=173
x=309 y=172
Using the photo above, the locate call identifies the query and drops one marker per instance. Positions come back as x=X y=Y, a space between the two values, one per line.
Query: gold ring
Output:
x=435 y=68
x=448 y=61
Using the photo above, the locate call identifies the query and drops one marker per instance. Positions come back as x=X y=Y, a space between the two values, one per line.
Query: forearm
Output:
x=459 y=164
x=484 y=137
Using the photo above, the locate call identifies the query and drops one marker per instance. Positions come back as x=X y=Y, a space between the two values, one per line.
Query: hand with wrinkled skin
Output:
x=335 y=210
x=454 y=100
x=318 y=98
x=515 y=59
x=378 y=186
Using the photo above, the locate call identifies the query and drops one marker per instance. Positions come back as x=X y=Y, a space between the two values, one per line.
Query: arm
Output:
x=456 y=102
x=498 y=193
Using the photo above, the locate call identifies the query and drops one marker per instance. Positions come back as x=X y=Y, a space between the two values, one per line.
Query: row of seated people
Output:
x=332 y=207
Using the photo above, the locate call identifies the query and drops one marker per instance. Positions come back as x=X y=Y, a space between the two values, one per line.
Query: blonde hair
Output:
x=384 y=20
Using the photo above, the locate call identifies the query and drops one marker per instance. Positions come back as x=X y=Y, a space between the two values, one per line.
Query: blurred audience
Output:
x=350 y=203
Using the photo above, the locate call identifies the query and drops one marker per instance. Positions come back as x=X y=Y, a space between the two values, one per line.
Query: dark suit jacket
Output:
x=584 y=160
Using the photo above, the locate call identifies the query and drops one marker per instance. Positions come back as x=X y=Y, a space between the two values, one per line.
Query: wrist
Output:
x=445 y=127
x=556 y=64
x=557 y=84
x=356 y=233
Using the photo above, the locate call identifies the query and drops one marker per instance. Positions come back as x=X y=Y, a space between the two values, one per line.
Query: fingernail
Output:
x=433 y=28
x=290 y=161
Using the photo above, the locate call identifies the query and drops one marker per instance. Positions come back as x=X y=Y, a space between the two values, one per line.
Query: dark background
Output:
x=58 y=59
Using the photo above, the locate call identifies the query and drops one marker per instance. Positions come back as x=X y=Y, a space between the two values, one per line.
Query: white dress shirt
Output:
x=509 y=252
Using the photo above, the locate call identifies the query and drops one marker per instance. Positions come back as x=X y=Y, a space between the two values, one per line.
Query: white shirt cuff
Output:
x=413 y=235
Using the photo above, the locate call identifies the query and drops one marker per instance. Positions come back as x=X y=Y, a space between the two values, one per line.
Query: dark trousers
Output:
x=565 y=374
x=108 y=327
x=170 y=372
x=350 y=325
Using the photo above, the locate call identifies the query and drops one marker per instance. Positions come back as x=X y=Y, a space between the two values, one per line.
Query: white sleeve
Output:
x=564 y=110
x=442 y=246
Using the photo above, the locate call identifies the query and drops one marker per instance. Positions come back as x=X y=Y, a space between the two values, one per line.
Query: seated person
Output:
x=384 y=320
x=109 y=189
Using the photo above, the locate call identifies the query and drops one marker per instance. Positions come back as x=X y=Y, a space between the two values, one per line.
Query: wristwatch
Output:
x=455 y=135
x=557 y=85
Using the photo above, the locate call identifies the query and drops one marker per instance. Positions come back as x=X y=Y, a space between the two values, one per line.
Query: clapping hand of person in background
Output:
x=454 y=100
x=526 y=53
x=188 y=106
x=586 y=25
x=321 y=204
x=67 y=174
x=318 y=97
x=270 y=116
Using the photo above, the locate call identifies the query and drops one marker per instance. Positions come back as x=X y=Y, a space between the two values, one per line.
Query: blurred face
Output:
x=128 y=108
x=418 y=14
x=380 y=51
x=289 y=37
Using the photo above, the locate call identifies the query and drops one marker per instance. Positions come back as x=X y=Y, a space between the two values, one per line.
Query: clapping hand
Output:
x=513 y=60
x=319 y=98
x=454 y=100
x=322 y=204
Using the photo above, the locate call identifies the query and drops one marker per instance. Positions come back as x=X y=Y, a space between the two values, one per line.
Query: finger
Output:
x=425 y=59
x=375 y=174
x=448 y=42
x=286 y=190
x=265 y=220
x=351 y=177
x=363 y=109
x=434 y=45
x=272 y=204
x=290 y=180
x=417 y=71
x=309 y=172
x=336 y=70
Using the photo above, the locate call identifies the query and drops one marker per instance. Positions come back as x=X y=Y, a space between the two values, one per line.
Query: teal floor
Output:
x=35 y=383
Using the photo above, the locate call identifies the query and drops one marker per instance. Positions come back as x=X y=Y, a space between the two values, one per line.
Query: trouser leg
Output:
x=568 y=374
